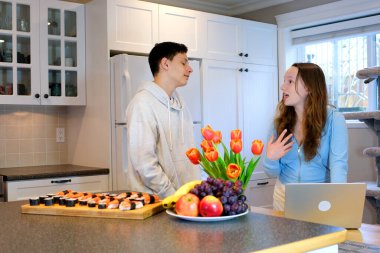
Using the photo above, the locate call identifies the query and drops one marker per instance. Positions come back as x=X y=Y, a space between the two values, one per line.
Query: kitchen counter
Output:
x=160 y=233
x=49 y=171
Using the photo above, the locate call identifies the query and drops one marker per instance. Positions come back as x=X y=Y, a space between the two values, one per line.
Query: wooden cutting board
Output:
x=84 y=211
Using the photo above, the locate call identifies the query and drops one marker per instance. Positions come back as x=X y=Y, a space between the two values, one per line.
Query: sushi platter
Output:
x=126 y=205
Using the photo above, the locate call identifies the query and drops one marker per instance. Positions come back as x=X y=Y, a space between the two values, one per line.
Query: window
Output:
x=340 y=59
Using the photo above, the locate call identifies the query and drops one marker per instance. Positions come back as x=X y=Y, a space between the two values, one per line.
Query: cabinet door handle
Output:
x=46 y=95
x=241 y=70
x=61 y=181
x=246 y=70
x=37 y=95
x=246 y=55
x=263 y=183
x=241 y=54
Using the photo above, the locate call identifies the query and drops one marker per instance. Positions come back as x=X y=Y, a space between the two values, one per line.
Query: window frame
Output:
x=332 y=12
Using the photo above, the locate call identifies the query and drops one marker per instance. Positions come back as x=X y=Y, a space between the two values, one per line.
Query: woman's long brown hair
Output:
x=315 y=111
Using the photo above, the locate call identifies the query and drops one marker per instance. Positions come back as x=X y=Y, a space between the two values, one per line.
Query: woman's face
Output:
x=294 y=94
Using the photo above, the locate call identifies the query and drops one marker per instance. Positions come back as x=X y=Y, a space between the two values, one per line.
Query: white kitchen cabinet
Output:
x=240 y=96
x=224 y=38
x=42 y=58
x=132 y=25
x=62 y=40
x=233 y=39
x=183 y=26
x=25 y=189
x=259 y=43
x=260 y=192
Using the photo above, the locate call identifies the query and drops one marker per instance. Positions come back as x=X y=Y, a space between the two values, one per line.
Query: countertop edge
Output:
x=309 y=244
x=56 y=175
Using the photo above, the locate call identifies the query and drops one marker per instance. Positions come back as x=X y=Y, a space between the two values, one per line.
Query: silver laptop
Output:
x=336 y=204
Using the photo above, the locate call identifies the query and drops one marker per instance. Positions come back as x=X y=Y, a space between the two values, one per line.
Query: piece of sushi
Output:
x=48 y=201
x=34 y=201
x=71 y=202
x=114 y=204
x=127 y=205
x=102 y=205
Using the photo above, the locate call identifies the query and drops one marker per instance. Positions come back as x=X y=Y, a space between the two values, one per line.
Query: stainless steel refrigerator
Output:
x=128 y=73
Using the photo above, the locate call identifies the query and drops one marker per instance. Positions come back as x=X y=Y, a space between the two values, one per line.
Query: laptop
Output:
x=335 y=204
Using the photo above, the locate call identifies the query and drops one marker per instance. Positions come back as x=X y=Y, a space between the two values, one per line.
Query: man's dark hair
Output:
x=164 y=50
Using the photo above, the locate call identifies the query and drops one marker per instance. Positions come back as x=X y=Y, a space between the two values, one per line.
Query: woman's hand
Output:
x=279 y=148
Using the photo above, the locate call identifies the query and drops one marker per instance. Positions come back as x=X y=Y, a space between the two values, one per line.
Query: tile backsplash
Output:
x=28 y=135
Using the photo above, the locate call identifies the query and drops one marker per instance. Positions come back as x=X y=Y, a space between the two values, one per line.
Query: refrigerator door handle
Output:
x=120 y=124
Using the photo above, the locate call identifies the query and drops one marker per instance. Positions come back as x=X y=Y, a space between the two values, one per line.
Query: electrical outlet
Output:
x=60 y=135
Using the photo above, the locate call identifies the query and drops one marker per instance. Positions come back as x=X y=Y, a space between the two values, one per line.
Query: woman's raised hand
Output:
x=279 y=148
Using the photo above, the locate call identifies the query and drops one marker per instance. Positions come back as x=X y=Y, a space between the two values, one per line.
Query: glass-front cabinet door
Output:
x=19 y=47
x=63 y=53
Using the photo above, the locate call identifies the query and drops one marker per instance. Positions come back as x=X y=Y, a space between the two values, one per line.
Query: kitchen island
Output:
x=160 y=233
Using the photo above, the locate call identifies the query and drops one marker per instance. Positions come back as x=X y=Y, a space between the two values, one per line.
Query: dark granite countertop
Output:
x=50 y=171
x=160 y=233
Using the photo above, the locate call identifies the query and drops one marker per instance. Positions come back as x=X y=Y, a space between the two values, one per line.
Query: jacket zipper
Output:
x=299 y=159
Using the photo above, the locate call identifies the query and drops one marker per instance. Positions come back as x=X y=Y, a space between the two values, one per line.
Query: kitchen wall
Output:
x=28 y=135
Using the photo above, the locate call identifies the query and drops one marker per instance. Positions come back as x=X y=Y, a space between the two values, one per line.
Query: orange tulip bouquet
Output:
x=230 y=166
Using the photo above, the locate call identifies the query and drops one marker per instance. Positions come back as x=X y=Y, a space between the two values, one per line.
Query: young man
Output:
x=160 y=127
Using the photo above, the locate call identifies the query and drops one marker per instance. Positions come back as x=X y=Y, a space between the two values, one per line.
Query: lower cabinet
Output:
x=260 y=192
x=25 y=189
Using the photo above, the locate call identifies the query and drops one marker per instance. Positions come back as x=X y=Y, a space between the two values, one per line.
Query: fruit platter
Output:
x=207 y=200
x=221 y=195
x=125 y=205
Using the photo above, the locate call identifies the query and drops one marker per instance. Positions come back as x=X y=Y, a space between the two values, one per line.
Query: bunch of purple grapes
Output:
x=228 y=192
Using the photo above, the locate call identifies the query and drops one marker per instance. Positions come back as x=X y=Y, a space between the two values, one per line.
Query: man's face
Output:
x=179 y=69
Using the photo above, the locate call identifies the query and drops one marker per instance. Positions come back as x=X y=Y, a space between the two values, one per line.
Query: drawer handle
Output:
x=60 y=181
x=263 y=183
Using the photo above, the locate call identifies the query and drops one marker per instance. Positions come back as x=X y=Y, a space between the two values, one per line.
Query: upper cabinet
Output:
x=259 y=43
x=136 y=26
x=247 y=41
x=132 y=25
x=42 y=57
x=183 y=26
x=62 y=40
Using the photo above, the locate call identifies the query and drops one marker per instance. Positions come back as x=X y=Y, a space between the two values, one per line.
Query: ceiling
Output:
x=258 y=10
x=227 y=7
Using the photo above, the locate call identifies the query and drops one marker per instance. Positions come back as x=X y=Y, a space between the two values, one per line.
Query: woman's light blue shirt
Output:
x=330 y=163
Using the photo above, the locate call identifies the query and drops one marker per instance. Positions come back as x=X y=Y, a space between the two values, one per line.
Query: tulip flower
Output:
x=207 y=133
x=236 y=134
x=257 y=147
x=233 y=171
x=193 y=155
x=211 y=154
x=205 y=144
x=236 y=145
x=217 y=137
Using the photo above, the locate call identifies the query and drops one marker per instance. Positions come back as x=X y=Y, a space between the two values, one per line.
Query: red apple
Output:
x=210 y=206
x=187 y=205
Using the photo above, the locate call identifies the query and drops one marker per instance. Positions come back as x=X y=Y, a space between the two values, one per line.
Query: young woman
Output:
x=309 y=141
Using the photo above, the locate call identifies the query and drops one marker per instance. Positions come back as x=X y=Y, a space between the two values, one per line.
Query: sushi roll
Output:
x=42 y=198
x=83 y=202
x=102 y=206
x=34 y=201
x=56 y=199
x=70 y=202
x=48 y=201
x=91 y=204
x=62 y=201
